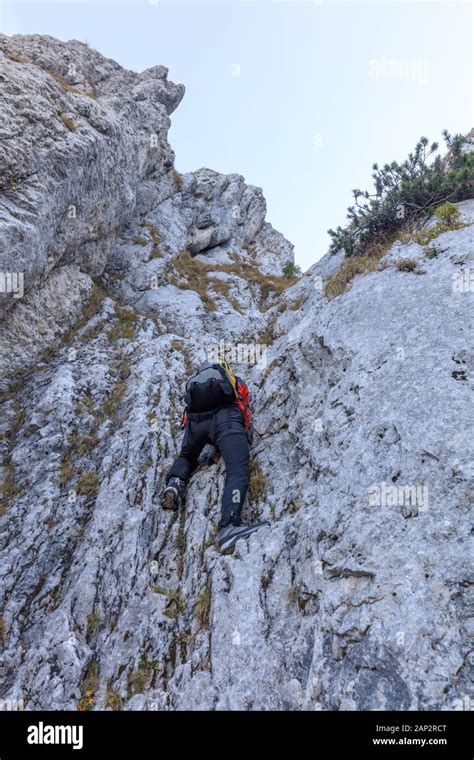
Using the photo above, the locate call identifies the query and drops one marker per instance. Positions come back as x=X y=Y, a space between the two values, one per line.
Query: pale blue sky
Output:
x=312 y=105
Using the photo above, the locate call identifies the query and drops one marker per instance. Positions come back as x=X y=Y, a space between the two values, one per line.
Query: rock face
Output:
x=89 y=150
x=357 y=595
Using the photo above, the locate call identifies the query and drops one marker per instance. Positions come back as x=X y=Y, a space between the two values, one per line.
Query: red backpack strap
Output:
x=243 y=402
x=184 y=420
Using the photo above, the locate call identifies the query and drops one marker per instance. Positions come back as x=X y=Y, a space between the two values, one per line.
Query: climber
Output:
x=217 y=413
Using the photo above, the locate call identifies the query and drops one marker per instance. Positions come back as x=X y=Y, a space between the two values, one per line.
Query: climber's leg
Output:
x=229 y=435
x=194 y=440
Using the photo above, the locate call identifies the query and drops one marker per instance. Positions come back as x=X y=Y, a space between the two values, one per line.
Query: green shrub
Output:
x=291 y=270
x=447 y=214
x=447 y=219
x=406 y=193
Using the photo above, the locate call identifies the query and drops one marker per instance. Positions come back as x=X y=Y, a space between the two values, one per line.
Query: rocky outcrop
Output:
x=357 y=595
x=84 y=148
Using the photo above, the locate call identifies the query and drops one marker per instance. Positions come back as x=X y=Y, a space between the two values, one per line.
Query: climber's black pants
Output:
x=224 y=429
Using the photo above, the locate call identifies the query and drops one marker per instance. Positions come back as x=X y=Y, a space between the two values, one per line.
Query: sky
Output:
x=301 y=97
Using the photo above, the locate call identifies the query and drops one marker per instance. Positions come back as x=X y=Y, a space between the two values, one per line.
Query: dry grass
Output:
x=298 y=302
x=88 y=484
x=178 y=178
x=93 y=331
x=447 y=219
x=406 y=265
x=423 y=237
x=113 y=701
x=82 y=445
x=137 y=681
x=175 y=605
x=194 y=272
x=180 y=347
x=341 y=281
x=125 y=327
x=68 y=121
x=68 y=87
x=156 y=252
x=203 y=607
x=258 y=482
x=8 y=489
x=236 y=305
x=111 y=405
x=88 y=687
x=93 y=307
x=16 y=56
x=267 y=336
x=199 y=277
x=351 y=266
x=93 y=622
x=66 y=473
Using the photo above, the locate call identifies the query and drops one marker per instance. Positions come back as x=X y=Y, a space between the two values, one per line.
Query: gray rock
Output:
x=357 y=595
x=86 y=135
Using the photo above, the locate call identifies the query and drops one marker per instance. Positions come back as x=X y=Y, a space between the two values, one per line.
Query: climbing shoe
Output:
x=173 y=494
x=230 y=534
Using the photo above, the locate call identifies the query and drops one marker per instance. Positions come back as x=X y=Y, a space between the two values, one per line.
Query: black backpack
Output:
x=210 y=388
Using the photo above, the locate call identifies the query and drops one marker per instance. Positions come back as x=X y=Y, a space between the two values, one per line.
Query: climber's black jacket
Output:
x=223 y=428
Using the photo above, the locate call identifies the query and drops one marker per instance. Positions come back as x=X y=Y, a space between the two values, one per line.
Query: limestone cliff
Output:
x=357 y=596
